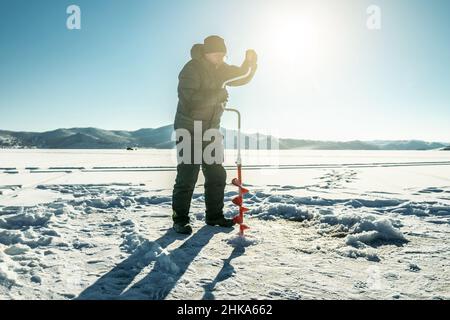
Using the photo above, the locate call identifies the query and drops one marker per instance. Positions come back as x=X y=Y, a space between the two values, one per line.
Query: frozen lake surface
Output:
x=95 y=224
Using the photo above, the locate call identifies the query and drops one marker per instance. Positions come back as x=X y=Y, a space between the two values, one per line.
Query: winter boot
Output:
x=183 y=228
x=220 y=221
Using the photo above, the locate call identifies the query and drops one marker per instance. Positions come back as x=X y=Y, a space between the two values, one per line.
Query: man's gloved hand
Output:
x=251 y=56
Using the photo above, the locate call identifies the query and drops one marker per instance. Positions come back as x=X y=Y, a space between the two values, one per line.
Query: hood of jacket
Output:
x=197 y=52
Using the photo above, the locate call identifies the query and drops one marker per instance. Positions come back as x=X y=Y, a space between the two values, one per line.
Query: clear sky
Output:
x=322 y=73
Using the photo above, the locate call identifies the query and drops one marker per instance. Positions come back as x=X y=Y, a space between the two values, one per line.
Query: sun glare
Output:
x=302 y=49
x=295 y=38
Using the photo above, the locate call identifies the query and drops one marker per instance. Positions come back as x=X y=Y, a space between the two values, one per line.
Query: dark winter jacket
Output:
x=200 y=90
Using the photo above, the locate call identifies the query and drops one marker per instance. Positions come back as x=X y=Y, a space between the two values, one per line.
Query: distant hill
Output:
x=89 y=138
x=161 y=138
x=446 y=148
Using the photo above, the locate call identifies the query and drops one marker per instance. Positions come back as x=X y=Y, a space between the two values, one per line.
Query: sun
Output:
x=290 y=34
x=297 y=40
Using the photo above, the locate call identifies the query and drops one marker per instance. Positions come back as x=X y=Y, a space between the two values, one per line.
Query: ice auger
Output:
x=239 y=200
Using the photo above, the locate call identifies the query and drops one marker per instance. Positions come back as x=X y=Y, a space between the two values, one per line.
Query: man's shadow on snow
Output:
x=161 y=279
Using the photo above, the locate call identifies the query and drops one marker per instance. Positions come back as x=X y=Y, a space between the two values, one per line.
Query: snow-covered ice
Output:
x=91 y=224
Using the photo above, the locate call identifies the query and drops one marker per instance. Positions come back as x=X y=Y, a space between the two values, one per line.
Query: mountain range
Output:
x=161 y=138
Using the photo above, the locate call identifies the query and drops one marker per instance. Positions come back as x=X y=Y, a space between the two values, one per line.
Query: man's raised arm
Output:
x=230 y=72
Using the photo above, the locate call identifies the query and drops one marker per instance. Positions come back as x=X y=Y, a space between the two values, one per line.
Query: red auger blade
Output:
x=244 y=191
x=237 y=201
x=244 y=209
x=238 y=219
x=236 y=182
x=243 y=227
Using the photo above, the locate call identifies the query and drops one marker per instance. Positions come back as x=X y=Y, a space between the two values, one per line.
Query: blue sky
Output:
x=322 y=73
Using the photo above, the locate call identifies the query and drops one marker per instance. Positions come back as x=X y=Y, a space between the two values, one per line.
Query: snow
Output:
x=25 y=217
x=285 y=211
x=332 y=225
x=242 y=241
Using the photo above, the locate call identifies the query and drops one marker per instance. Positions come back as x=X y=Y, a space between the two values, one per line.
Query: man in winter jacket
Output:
x=201 y=99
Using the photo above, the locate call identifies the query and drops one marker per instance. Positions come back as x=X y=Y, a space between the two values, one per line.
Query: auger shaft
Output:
x=239 y=200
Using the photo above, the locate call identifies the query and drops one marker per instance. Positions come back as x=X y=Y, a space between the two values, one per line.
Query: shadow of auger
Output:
x=226 y=272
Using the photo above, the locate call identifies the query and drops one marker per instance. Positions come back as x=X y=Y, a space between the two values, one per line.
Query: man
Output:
x=201 y=97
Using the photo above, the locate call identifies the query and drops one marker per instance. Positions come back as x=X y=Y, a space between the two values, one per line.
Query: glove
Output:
x=251 y=56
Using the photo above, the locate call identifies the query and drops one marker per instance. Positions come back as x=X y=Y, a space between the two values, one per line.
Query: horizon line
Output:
x=244 y=132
